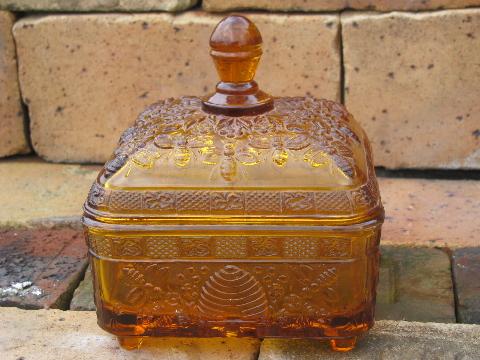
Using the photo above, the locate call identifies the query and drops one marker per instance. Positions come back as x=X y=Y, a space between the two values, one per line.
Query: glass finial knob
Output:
x=236 y=48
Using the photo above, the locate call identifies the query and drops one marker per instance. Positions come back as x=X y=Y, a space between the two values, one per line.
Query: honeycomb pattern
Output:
x=263 y=202
x=193 y=201
x=161 y=247
x=337 y=202
x=101 y=245
x=231 y=247
x=125 y=200
x=303 y=248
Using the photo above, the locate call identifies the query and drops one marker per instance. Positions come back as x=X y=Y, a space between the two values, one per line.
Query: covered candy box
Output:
x=238 y=214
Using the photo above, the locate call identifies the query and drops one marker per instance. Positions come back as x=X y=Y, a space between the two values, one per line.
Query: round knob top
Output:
x=234 y=33
x=236 y=50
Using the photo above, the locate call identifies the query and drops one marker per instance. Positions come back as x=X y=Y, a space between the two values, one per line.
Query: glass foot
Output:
x=343 y=345
x=130 y=342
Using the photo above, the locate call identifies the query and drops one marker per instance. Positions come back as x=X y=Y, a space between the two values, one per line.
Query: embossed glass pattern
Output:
x=237 y=215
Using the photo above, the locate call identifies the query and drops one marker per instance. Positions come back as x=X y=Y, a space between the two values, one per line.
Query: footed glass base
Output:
x=339 y=345
x=343 y=345
x=130 y=342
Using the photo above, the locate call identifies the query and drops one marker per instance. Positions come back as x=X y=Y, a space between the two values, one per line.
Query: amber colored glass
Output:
x=237 y=215
x=236 y=48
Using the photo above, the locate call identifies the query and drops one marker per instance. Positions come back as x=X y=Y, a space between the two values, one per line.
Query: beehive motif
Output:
x=237 y=215
x=233 y=293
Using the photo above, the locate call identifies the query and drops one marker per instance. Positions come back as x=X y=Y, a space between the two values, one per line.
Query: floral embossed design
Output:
x=264 y=246
x=227 y=201
x=195 y=247
x=128 y=246
x=96 y=197
x=299 y=202
x=303 y=292
x=335 y=247
x=179 y=130
x=157 y=288
x=159 y=200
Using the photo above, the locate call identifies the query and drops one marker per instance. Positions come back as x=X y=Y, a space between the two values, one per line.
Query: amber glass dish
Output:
x=237 y=215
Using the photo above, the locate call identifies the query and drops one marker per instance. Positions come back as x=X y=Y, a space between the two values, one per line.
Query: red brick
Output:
x=49 y=262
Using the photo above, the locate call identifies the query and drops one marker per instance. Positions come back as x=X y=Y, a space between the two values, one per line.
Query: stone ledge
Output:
x=97 y=5
x=389 y=340
x=38 y=194
x=75 y=335
x=332 y=5
x=423 y=212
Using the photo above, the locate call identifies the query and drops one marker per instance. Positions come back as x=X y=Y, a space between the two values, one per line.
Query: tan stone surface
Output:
x=430 y=212
x=12 y=131
x=97 y=5
x=388 y=340
x=33 y=191
x=413 y=81
x=75 y=335
x=37 y=334
x=107 y=68
x=330 y=5
x=273 y=5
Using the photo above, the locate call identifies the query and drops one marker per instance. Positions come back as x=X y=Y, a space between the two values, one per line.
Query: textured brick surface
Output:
x=430 y=212
x=97 y=5
x=12 y=129
x=75 y=335
x=415 y=285
x=83 y=296
x=40 y=268
x=330 y=5
x=34 y=192
x=388 y=340
x=466 y=272
x=107 y=68
x=413 y=82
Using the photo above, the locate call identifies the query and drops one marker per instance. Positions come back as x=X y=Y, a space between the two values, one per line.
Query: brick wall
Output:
x=411 y=77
